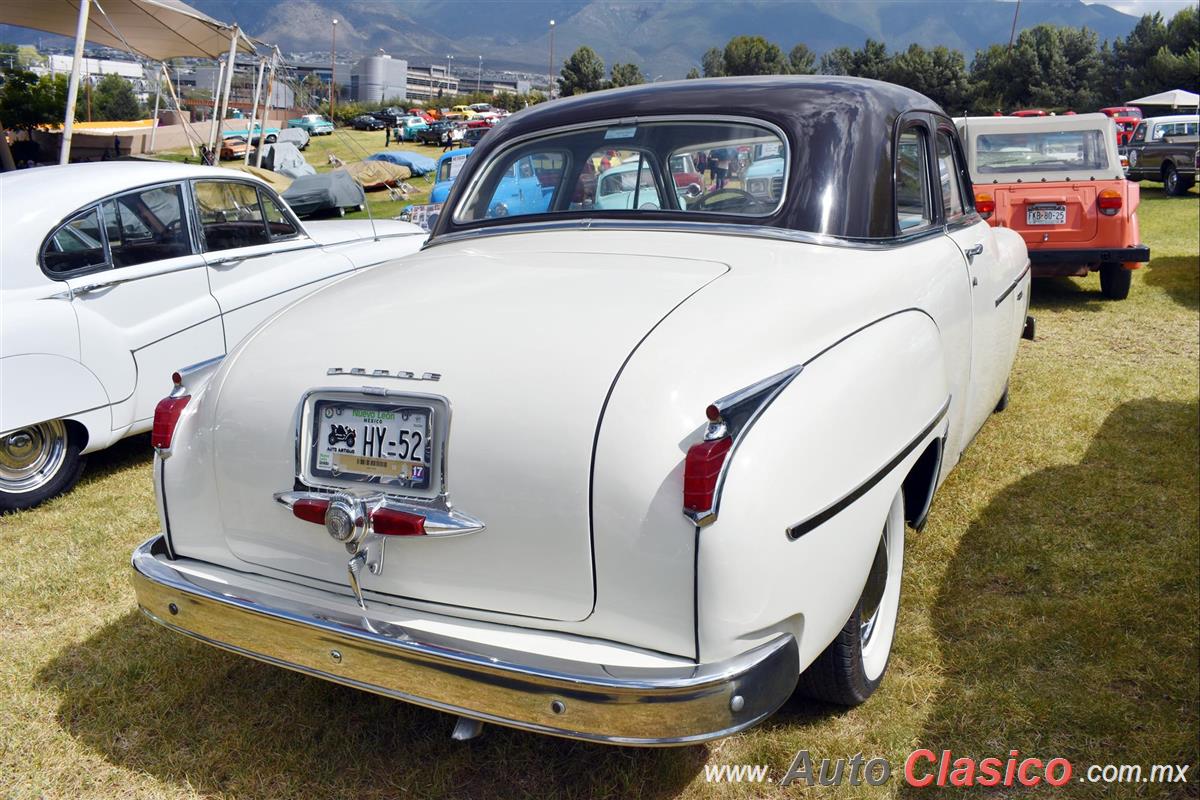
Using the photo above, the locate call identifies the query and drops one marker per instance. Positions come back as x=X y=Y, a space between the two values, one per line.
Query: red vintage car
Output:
x=1058 y=182
x=1126 y=118
x=1029 y=112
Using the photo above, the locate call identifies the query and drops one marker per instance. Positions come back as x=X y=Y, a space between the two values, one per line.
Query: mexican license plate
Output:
x=380 y=442
x=1046 y=215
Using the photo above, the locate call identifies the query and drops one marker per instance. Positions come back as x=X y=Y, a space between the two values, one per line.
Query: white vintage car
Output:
x=625 y=475
x=114 y=274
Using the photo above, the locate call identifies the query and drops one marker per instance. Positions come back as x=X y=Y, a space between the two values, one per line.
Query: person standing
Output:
x=387 y=135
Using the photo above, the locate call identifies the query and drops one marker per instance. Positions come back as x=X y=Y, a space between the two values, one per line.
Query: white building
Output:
x=379 y=79
x=97 y=67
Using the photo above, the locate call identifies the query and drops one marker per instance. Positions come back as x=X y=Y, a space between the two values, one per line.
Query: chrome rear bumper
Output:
x=647 y=706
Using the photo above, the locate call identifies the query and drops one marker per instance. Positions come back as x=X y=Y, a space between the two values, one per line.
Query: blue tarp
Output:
x=419 y=164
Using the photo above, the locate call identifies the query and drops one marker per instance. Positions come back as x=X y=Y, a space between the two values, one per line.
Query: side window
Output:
x=146 y=225
x=950 y=175
x=277 y=222
x=77 y=245
x=1139 y=135
x=913 y=207
x=230 y=215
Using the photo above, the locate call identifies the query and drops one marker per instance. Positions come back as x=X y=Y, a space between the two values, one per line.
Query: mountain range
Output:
x=665 y=38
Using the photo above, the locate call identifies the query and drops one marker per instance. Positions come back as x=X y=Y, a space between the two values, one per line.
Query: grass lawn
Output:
x=349 y=145
x=1051 y=606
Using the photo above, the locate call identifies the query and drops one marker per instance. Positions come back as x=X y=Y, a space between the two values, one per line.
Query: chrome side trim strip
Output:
x=1012 y=286
x=647 y=706
x=800 y=528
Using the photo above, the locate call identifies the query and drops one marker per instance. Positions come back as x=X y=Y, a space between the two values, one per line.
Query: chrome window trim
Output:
x=681 y=226
x=546 y=133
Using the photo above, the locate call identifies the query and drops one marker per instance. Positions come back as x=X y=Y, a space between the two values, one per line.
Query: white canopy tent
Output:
x=1176 y=98
x=157 y=29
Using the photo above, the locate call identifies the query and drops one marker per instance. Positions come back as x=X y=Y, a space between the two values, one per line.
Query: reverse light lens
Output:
x=985 y=205
x=166 y=417
x=1109 y=202
x=700 y=472
x=389 y=522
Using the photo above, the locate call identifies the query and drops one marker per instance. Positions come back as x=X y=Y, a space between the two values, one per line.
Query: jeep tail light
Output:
x=701 y=470
x=985 y=205
x=1109 y=202
x=166 y=417
x=390 y=522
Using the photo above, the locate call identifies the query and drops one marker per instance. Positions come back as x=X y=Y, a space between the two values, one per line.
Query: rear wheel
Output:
x=1172 y=182
x=1114 y=281
x=852 y=666
x=37 y=463
x=271 y=138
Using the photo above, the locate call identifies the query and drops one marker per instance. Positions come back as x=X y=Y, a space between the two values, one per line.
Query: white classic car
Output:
x=625 y=475
x=112 y=275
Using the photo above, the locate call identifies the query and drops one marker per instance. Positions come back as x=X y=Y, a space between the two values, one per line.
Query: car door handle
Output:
x=223 y=263
x=971 y=252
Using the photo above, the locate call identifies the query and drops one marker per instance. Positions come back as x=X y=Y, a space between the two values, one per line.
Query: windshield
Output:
x=691 y=167
x=449 y=168
x=1048 y=151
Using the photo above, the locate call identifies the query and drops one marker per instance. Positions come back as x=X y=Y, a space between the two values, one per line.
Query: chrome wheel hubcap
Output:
x=30 y=457
x=872 y=596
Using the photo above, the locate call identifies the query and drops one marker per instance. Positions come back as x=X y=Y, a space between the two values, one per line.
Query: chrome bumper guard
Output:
x=645 y=706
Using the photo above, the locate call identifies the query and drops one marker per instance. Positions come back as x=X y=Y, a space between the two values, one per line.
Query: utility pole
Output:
x=332 y=69
x=550 y=71
x=479 y=77
x=1012 y=35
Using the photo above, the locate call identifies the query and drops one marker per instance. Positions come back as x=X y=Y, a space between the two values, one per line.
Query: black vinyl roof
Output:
x=840 y=133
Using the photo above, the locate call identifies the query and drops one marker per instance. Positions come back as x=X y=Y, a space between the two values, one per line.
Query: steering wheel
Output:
x=725 y=199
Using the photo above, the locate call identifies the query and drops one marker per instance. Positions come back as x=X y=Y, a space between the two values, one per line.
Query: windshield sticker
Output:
x=620 y=133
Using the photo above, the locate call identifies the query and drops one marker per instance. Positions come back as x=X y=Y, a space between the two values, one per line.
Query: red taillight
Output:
x=1109 y=202
x=166 y=417
x=985 y=205
x=700 y=472
x=389 y=522
x=311 y=510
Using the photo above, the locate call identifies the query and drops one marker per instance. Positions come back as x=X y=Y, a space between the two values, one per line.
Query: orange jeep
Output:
x=1058 y=182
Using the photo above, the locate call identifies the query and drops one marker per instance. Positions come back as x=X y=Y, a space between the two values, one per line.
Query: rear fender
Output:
x=809 y=487
x=37 y=387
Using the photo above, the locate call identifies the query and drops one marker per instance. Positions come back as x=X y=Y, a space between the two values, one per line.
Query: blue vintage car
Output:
x=448 y=167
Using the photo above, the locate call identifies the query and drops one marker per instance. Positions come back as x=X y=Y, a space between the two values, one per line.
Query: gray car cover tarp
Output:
x=312 y=193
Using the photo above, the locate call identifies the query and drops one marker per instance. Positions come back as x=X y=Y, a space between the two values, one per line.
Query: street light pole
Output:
x=550 y=72
x=479 y=77
x=332 y=68
x=449 y=58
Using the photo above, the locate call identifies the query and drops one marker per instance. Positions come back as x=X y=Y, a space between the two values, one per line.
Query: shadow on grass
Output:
x=152 y=701
x=1178 y=276
x=1067 y=616
x=130 y=452
x=1064 y=294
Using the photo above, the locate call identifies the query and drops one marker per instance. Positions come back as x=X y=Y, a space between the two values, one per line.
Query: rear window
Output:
x=1048 y=151
x=728 y=168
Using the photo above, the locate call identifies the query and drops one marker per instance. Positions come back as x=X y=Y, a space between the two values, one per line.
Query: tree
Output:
x=693 y=73
x=713 y=63
x=802 y=61
x=940 y=74
x=583 y=72
x=113 y=98
x=626 y=75
x=871 y=61
x=27 y=101
x=838 y=61
x=754 y=55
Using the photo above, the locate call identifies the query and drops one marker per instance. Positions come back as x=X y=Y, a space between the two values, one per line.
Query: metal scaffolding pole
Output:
x=229 y=67
x=267 y=105
x=157 y=98
x=262 y=134
x=64 y=156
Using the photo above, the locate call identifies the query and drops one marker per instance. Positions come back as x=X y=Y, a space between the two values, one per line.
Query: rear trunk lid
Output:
x=1048 y=214
x=527 y=345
